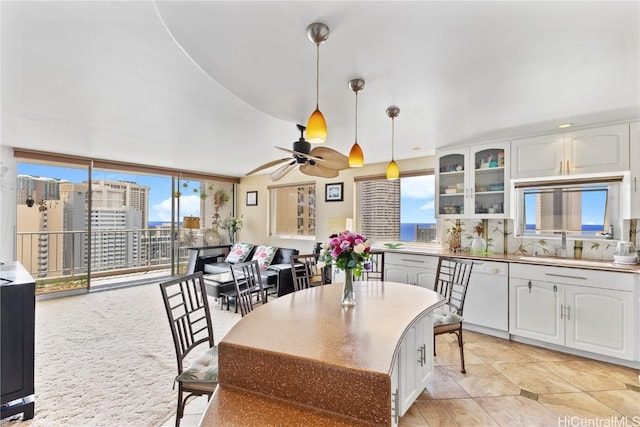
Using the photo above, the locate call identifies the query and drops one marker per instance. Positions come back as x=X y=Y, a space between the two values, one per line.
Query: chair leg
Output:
x=180 y=408
x=461 y=345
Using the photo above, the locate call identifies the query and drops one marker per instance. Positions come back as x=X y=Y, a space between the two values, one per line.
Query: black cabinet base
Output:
x=25 y=406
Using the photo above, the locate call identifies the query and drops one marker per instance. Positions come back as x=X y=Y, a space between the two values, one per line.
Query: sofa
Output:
x=276 y=275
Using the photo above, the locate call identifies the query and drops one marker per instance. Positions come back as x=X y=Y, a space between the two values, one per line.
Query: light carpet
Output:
x=107 y=359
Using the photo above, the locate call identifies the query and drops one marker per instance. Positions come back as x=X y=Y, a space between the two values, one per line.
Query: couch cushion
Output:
x=203 y=369
x=239 y=253
x=264 y=255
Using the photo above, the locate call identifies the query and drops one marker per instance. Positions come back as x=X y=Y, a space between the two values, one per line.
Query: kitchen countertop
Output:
x=304 y=356
x=546 y=260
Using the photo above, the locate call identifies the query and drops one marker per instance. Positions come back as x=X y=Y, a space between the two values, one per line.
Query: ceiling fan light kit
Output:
x=393 y=171
x=356 y=156
x=316 y=125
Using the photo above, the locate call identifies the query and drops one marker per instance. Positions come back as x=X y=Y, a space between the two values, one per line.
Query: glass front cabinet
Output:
x=473 y=182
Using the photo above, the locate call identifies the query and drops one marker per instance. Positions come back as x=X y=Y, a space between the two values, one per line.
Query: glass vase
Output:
x=348 y=293
x=478 y=244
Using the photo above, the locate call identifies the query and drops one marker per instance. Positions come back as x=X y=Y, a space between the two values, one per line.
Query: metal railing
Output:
x=62 y=256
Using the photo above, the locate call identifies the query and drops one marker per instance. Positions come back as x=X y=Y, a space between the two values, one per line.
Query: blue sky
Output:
x=416 y=192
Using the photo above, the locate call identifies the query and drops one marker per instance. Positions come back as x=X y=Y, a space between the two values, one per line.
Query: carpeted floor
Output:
x=107 y=359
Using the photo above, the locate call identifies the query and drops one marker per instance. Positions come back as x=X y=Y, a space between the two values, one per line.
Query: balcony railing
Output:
x=59 y=260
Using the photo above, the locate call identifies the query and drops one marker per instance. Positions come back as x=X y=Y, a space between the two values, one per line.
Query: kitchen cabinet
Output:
x=472 y=181
x=415 y=362
x=587 y=310
x=413 y=269
x=635 y=169
x=487 y=302
x=603 y=149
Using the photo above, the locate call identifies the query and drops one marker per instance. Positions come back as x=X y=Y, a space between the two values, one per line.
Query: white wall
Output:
x=8 y=182
x=256 y=218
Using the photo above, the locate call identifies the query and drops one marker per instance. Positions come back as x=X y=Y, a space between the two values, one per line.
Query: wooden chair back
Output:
x=305 y=271
x=248 y=283
x=452 y=280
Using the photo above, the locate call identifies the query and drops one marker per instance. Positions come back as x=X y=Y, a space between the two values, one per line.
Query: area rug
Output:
x=107 y=359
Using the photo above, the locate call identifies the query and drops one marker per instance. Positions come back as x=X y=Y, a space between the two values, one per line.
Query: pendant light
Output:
x=393 y=171
x=356 y=156
x=317 y=126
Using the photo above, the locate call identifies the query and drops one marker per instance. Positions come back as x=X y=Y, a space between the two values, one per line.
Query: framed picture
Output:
x=252 y=198
x=333 y=192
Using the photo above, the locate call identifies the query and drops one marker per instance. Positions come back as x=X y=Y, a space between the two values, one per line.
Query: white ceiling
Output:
x=214 y=86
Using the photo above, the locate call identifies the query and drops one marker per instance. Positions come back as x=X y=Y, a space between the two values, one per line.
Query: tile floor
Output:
x=512 y=384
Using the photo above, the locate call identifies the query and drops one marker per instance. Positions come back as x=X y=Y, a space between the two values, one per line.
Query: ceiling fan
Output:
x=320 y=161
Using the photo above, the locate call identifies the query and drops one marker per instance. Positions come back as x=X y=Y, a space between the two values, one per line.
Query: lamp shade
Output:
x=338 y=224
x=192 y=222
x=393 y=171
x=316 y=128
x=356 y=156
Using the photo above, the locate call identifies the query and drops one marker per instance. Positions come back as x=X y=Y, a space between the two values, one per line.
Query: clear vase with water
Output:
x=348 y=292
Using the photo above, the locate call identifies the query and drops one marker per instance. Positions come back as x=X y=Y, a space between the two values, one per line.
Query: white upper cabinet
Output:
x=472 y=182
x=635 y=170
x=604 y=149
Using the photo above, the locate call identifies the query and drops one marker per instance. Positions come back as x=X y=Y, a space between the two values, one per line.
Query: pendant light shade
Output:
x=316 y=125
x=356 y=156
x=393 y=171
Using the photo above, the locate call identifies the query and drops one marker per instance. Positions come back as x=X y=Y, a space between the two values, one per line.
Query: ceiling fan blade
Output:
x=282 y=171
x=331 y=158
x=317 y=170
x=298 y=153
x=267 y=165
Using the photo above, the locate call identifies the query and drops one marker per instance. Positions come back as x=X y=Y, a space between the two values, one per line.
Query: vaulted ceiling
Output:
x=214 y=86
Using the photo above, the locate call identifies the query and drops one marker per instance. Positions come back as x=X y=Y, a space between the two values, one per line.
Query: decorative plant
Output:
x=454 y=237
x=220 y=197
x=232 y=225
x=479 y=228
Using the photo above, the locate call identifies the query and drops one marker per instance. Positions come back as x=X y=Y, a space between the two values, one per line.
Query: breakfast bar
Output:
x=304 y=358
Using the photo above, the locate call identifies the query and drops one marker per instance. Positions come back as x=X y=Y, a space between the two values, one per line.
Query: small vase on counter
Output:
x=478 y=244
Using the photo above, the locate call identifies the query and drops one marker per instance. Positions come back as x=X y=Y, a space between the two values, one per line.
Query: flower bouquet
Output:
x=348 y=251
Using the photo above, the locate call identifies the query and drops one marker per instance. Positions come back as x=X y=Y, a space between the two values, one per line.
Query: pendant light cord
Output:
x=317 y=75
x=393 y=133
x=356 y=137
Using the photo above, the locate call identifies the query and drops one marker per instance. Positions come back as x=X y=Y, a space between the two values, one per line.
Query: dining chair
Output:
x=187 y=307
x=246 y=277
x=452 y=281
x=375 y=269
x=306 y=272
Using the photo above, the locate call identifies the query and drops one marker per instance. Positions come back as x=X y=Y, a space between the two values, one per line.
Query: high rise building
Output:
x=379 y=214
x=38 y=188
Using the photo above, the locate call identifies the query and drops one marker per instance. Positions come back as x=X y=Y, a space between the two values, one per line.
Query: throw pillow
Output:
x=238 y=253
x=264 y=255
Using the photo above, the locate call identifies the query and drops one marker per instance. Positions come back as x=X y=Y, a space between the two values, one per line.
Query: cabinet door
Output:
x=604 y=149
x=395 y=396
x=537 y=157
x=534 y=310
x=425 y=278
x=408 y=370
x=489 y=178
x=635 y=169
x=451 y=183
x=599 y=320
x=397 y=273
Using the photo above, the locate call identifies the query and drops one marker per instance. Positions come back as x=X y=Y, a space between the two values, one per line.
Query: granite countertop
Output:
x=546 y=260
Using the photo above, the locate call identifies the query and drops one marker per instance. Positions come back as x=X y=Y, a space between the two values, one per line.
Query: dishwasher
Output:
x=487 y=302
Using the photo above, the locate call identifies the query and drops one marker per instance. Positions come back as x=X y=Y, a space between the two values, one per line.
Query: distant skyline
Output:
x=417 y=195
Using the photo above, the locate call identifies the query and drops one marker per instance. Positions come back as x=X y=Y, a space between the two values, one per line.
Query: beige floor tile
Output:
x=626 y=402
x=484 y=380
x=454 y=412
x=442 y=386
x=514 y=411
x=580 y=405
x=413 y=418
x=539 y=354
x=495 y=352
x=448 y=354
x=592 y=375
x=534 y=377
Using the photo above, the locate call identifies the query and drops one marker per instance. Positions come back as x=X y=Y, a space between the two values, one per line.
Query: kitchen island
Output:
x=305 y=359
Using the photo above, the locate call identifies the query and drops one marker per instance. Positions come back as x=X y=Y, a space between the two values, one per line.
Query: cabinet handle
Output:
x=568 y=312
x=561 y=310
x=412 y=260
x=561 y=168
x=529 y=285
x=564 y=275
x=555 y=289
x=421 y=356
x=424 y=354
